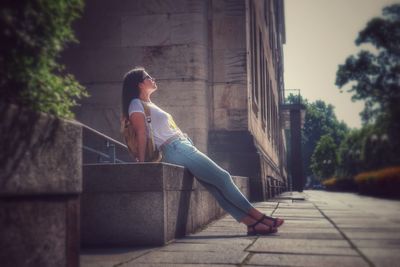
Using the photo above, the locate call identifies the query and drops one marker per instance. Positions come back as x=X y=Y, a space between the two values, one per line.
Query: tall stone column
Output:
x=296 y=156
x=292 y=119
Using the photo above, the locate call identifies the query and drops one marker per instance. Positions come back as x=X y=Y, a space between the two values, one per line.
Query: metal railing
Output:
x=100 y=148
x=296 y=94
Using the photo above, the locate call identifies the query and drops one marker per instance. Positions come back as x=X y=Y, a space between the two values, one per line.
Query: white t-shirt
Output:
x=162 y=122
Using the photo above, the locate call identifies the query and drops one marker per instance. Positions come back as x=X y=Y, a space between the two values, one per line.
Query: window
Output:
x=274 y=143
x=270 y=31
x=254 y=58
x=266 y=11
x=269 y=117
x=263 y=89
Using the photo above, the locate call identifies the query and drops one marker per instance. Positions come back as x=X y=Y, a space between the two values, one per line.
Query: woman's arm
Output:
x=139 y=125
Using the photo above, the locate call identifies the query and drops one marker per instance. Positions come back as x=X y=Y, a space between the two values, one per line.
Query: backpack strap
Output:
x=148 y=120
x=146 y=112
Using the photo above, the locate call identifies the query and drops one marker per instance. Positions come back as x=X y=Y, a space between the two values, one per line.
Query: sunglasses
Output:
x=148 y=77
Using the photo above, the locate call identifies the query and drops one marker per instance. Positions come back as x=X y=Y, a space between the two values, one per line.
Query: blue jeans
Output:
x=216 y=180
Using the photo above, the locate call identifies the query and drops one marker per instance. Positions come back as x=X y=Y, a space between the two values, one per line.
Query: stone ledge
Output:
x=133 y=177
x=41 y=154
x=144 y=204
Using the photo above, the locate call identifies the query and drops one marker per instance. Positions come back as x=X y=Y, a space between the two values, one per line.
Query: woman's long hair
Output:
x=130 y=88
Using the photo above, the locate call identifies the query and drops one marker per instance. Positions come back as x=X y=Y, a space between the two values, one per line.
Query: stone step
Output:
x=144 y=204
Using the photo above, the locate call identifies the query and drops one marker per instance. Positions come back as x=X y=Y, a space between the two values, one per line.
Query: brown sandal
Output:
x=270 y=230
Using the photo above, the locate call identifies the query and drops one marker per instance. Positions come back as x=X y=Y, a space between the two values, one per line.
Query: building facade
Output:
x=219 y=69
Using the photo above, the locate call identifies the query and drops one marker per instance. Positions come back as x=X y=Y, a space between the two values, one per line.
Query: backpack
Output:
x=152 y=154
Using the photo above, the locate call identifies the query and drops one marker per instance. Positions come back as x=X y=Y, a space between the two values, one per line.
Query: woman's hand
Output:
x=139 y=125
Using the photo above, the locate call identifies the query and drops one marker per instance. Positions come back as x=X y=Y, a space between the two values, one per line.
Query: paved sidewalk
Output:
x=321 y=229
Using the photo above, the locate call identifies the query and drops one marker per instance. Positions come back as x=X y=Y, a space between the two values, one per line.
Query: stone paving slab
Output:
x=221 y=229
x=345 y=215
x=295 y=205
x=110 y=256
x=368 y=225
x=226 y=223
x=308 y=224
x=288 y=206
x=377 y=243
x=307 y=236
x=302 y=246
x=216 y=234
x=301 y=230
x=176 y=265
x=369 y=230
x=210 y=247
x=191 y=257
x=356 y=220
x=371 y=235
x=292 y=195
x=305 y=260
x=389 y=257
x=266 y=204
x=220 y=241
x=308 y=214
x=294 y=211
x=300 y=218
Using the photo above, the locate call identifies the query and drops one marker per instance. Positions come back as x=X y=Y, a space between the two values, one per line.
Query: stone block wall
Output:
x=228 y=65
x=144 y=204
x=167 y=37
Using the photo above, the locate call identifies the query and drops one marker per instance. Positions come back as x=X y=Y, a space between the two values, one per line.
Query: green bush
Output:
x=33 y=33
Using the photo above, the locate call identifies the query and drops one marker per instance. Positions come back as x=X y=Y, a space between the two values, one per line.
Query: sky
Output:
x=320 y=35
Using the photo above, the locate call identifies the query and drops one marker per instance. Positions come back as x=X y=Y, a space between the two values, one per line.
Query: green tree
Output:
x=324 y=158
x=32 y=34
x=320 y=120
x=349 y=154
x=363 y=149
x=374 y=76
x=295 y=99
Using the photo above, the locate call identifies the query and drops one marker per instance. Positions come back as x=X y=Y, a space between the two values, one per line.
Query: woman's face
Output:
x=148 y=83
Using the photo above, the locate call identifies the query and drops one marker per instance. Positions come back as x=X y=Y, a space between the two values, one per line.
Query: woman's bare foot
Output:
x=274 y=222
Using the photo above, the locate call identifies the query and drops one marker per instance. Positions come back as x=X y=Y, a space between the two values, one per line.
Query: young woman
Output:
x=178 y=149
